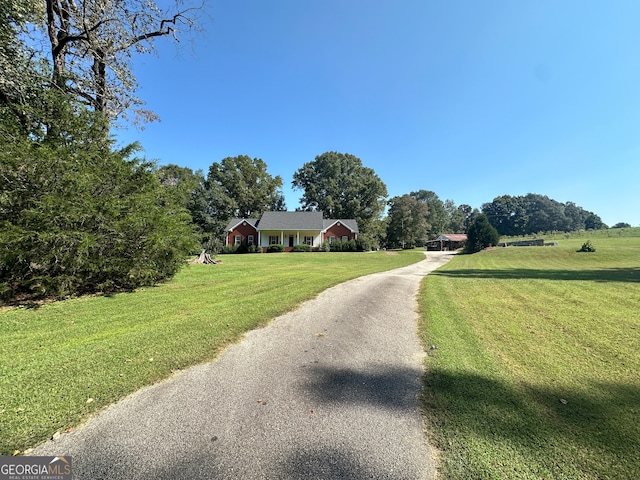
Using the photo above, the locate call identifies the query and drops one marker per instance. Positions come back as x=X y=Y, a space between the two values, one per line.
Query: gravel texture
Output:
x=326 y=391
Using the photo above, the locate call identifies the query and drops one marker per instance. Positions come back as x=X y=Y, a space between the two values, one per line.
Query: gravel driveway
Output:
x=326 y=391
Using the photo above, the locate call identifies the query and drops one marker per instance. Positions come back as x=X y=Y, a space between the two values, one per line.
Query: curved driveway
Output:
x=326 y=391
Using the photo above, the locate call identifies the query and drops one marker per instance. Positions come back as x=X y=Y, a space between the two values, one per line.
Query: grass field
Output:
x=63 y=361
x=534 y=359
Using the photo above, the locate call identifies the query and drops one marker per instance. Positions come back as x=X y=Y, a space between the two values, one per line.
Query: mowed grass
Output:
x=64 y=361
x=534 y=371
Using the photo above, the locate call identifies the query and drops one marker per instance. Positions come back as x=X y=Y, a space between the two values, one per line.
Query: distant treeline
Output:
x=532 y=213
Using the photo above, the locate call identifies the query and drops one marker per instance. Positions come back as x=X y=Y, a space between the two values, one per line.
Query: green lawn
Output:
x=66 y=360
x=534 y=367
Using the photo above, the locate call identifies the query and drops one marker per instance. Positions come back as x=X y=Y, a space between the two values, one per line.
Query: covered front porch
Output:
x=289 y=238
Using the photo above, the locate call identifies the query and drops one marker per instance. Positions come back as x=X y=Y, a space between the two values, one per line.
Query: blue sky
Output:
x=469 y=99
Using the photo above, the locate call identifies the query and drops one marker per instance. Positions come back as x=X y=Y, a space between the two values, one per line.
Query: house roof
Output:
x=291 y=221
x=234 y=222
x=453 y=237
x=350 y=223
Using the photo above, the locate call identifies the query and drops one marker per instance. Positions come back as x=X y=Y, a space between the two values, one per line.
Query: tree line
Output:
x=78 y=215
x=532 y=213
x=339 y=185
x=419 y=216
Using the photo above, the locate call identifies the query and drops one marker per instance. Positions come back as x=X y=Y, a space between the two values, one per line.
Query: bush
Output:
x=364 y=244
x=253 y=248
x=227 y=249
x=325 y=247
x=302 y=247
x=80 y=218
x=276 y=248
x=481 y=234
x=587 y=247
x=340 y=246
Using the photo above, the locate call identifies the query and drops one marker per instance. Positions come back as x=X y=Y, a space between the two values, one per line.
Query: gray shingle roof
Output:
x=234 y=222
x=350 y=223
x=291 y=221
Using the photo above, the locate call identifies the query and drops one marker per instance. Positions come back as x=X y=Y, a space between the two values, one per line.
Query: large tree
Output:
x=180 y=182
x=437 y=215
x=509 y=215
x=340 y=186
x=544 y=214
x=84 y=48
x=189 y=189
x=407 y=222
x=14 y=16
x=243 y=188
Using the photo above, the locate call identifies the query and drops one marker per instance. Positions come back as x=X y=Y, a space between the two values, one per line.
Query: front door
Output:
x=291 y=241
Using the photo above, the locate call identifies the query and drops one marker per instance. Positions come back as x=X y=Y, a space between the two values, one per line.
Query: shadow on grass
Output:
x=559 y=432
x=625 y=275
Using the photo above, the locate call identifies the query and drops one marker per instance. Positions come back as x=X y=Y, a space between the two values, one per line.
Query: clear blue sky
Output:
x=470 y=99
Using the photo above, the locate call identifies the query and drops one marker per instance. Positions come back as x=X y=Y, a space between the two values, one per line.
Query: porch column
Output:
x=298 y=237
x=281 y=237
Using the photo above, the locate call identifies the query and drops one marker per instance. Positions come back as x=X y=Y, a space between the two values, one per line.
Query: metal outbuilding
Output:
x=447 y=242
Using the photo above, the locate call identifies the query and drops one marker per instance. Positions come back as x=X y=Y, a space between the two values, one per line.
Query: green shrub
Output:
x=80 y=218
x=340 y=246
x=253 y=248
x=241 y=249
x=364 y=244
x=301 y=247
x=481 y=234
x=587 y=247
x=276 y=248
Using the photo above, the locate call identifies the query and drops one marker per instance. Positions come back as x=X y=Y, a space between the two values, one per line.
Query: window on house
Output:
x=332 y=238
x=308 y=241
x=274 y=239
x=237 y=240
x=345 y=238
x=250 y=240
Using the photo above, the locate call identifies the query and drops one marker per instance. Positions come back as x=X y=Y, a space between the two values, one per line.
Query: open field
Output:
x=63 y=361
x=533 y=361
x=582 y=235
